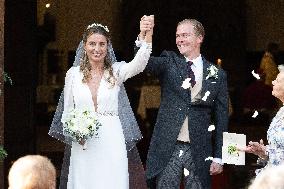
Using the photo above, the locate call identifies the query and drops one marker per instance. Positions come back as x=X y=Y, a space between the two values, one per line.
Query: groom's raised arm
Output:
x=156 y=65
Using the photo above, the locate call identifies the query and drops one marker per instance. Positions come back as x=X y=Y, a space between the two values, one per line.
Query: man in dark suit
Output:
x=193 y=96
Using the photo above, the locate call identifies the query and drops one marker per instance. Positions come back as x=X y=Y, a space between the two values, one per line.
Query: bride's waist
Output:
x=107 y=113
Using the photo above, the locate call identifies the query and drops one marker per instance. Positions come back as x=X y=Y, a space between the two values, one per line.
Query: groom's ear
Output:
x=200 y=39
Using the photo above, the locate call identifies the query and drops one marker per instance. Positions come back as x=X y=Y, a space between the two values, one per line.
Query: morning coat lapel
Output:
x=182 y=75
x=205 y=82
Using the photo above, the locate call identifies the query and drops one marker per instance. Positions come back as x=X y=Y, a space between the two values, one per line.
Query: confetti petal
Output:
x=281 y=68
x=255 y=114
x=209 y=158
x=255 y=74
x=206 y=95
x=185 y=172
x=186 y=83
x=211 y=128
x=180 y=153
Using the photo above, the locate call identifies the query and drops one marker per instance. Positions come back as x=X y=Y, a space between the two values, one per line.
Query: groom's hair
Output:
x=198 y=27
x=32 y=172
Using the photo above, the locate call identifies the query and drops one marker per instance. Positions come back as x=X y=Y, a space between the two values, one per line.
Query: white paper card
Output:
x=231 y=142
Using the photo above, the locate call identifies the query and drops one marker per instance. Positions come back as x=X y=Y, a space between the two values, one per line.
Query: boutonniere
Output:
x=212 y=72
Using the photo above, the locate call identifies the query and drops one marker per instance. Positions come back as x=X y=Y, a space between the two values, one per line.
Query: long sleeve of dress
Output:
x=68 y=94
x=137 y=65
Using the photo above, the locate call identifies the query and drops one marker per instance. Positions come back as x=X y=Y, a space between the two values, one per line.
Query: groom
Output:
x=193 y=96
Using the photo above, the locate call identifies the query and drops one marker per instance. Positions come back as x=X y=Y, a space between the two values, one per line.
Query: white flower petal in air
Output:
x=255 y=114
x=186 y=83
x=211 y=128
x=185 y=172
x=206 y=95
x=255 y=74
x=209 y=158
x=180 y=153
x=281 y=68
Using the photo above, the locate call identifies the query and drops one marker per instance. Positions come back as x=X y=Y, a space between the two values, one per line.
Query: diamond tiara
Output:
x=98 y=25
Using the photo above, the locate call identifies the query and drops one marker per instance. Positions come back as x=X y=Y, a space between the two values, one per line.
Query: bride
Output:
x=96 y=82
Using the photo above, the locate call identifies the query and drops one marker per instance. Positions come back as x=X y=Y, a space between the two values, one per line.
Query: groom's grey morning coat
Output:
x=176 y=104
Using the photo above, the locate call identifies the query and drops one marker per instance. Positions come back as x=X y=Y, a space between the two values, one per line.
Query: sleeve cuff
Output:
x=218 y=160
x=143 y=43
x=138 y=43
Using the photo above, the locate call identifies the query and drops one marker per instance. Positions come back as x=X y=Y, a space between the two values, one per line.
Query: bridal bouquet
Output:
x=80 y=125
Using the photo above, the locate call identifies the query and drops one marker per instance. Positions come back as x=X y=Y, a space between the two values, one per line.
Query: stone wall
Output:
x=71 y=19
x=2 y=9
x=265 y=23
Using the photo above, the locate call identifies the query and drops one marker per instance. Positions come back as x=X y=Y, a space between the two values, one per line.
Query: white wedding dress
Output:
x=103 y=164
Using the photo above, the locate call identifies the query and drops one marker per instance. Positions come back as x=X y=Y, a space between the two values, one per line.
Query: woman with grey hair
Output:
x=273 y=153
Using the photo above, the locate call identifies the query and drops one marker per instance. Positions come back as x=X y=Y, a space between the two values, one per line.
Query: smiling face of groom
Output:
x=189 y=36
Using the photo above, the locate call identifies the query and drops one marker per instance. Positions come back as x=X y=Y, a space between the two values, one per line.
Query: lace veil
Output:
x=130 y=127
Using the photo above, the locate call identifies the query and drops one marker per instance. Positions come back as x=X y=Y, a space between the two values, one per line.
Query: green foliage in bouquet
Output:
x=7 y=78
x=3 y=153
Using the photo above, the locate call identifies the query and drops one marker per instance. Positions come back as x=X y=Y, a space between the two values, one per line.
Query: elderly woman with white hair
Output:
x=273 y=153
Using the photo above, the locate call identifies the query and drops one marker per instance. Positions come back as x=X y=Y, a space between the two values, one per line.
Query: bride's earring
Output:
x=86 y=60
x=85 y=54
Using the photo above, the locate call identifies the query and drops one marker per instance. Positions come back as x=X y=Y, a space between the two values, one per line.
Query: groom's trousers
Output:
x=180 y=166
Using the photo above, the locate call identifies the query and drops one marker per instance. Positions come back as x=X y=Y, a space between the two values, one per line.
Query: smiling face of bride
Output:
x=96 y=48
x=97 y=53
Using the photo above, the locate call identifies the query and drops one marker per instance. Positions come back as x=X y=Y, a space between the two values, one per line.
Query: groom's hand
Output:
x=215 y=168
x=149 y=33
x=146 y=24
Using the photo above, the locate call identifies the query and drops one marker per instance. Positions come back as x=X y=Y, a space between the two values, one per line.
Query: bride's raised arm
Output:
x=138 y=64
